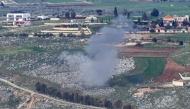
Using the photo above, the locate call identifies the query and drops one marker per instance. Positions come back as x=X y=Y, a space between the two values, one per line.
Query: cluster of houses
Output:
x=20 y=18
x=173 y=24
x=169 y=22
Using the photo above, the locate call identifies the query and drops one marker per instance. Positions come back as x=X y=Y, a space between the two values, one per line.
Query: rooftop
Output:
x=168 y=17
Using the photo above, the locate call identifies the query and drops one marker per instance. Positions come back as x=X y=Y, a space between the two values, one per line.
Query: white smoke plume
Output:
x=102 y=54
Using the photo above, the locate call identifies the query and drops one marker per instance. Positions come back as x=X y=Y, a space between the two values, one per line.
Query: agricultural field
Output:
x=173 y=8
x=150 y=68
x=67 y=63
x=31 y=60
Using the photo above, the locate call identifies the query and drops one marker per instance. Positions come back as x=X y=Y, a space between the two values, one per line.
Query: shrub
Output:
x=24 y=35
x=61 y=35
x=169 y=39
x=71 y=35
x=180 y=42
x=154 y=39
x=152 y=30
x=9 y=34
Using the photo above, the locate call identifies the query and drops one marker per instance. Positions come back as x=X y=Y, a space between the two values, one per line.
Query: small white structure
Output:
x=18 y=18
x=88 y=19
x=43 y=17
x=54 y=18
x=178 y=83
x=73 y=20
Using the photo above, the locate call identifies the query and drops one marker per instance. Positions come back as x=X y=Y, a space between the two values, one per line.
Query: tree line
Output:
x=12 y=34
x=82 y=99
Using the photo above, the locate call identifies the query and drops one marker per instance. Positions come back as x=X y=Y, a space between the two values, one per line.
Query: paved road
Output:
x=48 y=97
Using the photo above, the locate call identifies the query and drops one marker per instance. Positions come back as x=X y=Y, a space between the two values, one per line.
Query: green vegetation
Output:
x=182 y=57
x=17 y=50
x=52 y=1
x=1 y=28
x=149 y=67
x=13 y=101
x=177 y=8
x=3 y=13
x=161 y=46
x=185 y=37
x=146 y=69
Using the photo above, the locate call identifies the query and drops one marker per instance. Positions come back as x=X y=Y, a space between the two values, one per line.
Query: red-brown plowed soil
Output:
x=145 y=52
x=171 y=71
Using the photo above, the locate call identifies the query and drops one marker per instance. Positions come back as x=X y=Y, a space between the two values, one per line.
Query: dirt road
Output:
x=31 y=100
x=48 y=97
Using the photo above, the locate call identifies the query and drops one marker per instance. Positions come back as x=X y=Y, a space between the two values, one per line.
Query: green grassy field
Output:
x=52 y=1
x=146 y=68
x=181 y=57
x=182 y=37
x=179 y=8
x=17 y=50
x=149 y=67
x=162 y=46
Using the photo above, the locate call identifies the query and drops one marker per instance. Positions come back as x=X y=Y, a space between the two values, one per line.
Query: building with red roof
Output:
x=168 y=20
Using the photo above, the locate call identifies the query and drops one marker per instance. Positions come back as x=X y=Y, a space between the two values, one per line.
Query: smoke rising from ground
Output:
x=102 y=54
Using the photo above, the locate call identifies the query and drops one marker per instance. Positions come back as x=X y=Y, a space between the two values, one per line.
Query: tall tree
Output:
x=43 y=88
x=73 y=14
x=127 y=106
x=185 y=22
x=86 y=100
x=65 y=95
x=67 y=15
x=76 y=97
x=118 y=104
x=139 y=21
x=125 y=12
x=38 y=86
x=180 y=42
x=92 y=20
x=99 y=12
x=115 y=12
x=107 y=103
x=2 y=4
x=128 y=15
x=144 y=16
x=154 y=13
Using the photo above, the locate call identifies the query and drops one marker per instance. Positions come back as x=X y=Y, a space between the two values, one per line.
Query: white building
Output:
x=88 y=19
x=43 y=17
x=181 y=18
x=18 y=18
x=178 y=83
